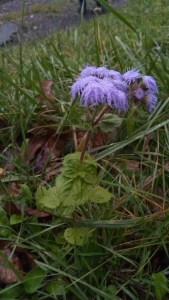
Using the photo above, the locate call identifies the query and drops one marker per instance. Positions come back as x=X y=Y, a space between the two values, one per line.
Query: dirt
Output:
x=40 y=22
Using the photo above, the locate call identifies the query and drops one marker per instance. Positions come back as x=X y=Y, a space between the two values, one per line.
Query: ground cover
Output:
x=85 y=199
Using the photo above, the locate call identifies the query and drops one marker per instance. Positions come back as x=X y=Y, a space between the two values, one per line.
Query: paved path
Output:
x=41 y=24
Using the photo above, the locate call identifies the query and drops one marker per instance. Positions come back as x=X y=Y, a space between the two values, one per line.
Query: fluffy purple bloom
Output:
x=115 y=75
x=100 y=86
x=88 y=71
x=116 y=98
x=120 y=85
x=104 y=93
x=150 y=84
x=94 y=93
x=81 y=83
x=139 y=93
x=131 y=75
x=100 y=72
x=151 y=102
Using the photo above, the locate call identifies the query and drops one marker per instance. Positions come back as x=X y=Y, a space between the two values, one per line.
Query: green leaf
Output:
x=33 y=279
x=160 y=284
x=40 y=193
x=12 y=293
x=49 y=200
x=26 y=192
x=59 y=239
x=5 y=229
x=111 y=290
x=72 y=192
x=57 y=288
x=109 y=122
x=77 y=236
x=99 y=195
x=64 y=211
x=106 y=224
x=15 y=219
x=73 y=167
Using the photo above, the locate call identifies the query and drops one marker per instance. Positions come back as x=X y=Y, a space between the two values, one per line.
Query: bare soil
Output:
x=64 y=14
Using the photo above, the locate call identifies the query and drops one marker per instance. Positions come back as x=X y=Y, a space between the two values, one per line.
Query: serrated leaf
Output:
x=99 y=195
x=57 y=288
x=109 y=122
x=160 y=284
x=5 y=229
x=77 y=236
x=33 y=279
x=73 y=167
x=64 y=211
x=49 y=201
x=72 y=192
x=40 y=193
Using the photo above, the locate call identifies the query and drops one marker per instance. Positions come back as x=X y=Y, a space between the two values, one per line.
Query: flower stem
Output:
x=87 y=137
x=101 y=114
x=88 y=133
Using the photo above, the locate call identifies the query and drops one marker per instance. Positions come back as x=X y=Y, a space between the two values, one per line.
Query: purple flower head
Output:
x=120 y=85
x=150 y=84
x=139 y=93
x=88 y=71
x=131 y=75
x=151 y=102
x=104 y=92
x=101 y=72
x=94 y=93
x=81 y=84
x=115 y=75
x=117 y=98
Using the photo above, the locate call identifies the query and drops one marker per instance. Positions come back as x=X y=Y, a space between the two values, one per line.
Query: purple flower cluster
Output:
x=141 y=88
x=97 y=86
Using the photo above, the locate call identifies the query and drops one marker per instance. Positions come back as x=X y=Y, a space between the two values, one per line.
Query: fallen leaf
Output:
x=11 y=208
x=27 y=259
x=2 y=172
x=46 y=87
x=7 y=275
x=147 y=140
x=34 y=144
x=133 y=165
x=51 y=150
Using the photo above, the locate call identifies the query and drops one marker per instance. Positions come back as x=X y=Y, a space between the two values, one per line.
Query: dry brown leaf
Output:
x=2 y=172
x=147 y=139
x=27 y=259
x=6 y=273
x=133 y=165
x=11 y=208
x=51 y=170
x=51 y=150
x=36 y=213
x=34 y=144
x=46 y=87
